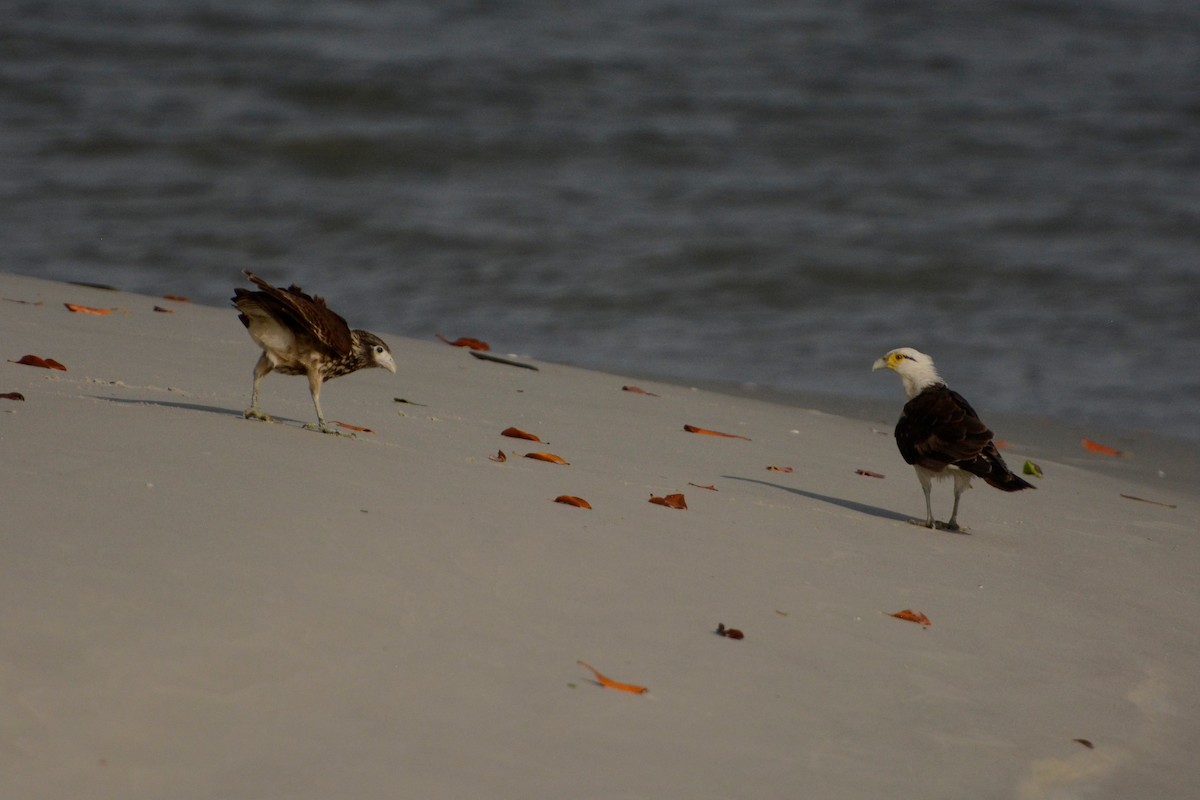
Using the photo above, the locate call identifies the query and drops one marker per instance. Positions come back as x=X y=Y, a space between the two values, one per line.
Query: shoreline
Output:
x=1149 y=458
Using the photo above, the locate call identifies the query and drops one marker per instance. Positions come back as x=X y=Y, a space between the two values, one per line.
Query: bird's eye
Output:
x=378 y=349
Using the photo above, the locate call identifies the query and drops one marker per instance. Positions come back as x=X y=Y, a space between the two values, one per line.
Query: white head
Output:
x=914 y=368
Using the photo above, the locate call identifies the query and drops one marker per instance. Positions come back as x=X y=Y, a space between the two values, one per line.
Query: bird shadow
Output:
x=232 y=412
x=851 y=505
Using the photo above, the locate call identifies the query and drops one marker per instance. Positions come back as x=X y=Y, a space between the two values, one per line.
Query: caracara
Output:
x=942 y=436
x=300 y=335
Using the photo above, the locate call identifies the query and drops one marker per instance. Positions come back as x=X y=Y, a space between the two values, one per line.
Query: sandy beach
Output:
x=196 y=605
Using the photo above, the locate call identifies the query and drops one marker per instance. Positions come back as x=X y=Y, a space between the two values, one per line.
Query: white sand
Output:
x=199 y=606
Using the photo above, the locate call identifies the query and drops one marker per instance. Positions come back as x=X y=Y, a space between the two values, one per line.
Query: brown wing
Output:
x=304 y=313
x=939 y=428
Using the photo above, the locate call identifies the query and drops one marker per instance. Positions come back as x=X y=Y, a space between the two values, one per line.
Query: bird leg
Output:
x=926 y=485
x=962 y=482
x=261 y=369
x=314 y=387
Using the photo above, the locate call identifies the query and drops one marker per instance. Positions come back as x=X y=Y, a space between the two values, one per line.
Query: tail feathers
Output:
x=1008 y=481
x=991 y=467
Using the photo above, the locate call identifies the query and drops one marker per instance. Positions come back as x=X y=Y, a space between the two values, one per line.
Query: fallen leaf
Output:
x=38 y=361
x=638 y=390
x=499 y=458
x=350 y=427
x=517 y=433
x=670 y=501
x=572 y=500
x=1151 y=502
x=610 y=683
x=12 y=396
x=1102 y=449
x=867 y=473
x=729 y=633
x=780 y=469
x=176 y=298
x=553 y=459
x=162 y=310
x=912 y=616
x=710 y=487
x=465 y=341
x=706 y=432
x=1086 y=743
x=78 y=309
x=1031 y=468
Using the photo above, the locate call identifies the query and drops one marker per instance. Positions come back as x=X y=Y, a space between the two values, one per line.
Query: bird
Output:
x=941 y=436
x=300 y=335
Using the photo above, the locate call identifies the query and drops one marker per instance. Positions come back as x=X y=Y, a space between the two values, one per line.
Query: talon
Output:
x=323 y=428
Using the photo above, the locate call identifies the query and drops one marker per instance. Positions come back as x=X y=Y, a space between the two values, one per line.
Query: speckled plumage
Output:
x=300 y=335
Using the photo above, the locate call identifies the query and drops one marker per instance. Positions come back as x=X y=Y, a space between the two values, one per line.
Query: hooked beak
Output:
x=386 y=361
x=880 y=364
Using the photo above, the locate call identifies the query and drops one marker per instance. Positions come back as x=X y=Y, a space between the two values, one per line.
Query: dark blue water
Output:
x=763 y=192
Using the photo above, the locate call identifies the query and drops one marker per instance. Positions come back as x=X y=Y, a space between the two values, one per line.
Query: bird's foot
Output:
x=324 y=428
x=938 y=525
x=254 y=413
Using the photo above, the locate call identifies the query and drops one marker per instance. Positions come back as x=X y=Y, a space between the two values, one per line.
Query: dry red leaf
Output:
x=706 y=432
x=162 y=310
x=729 y=633
x=670 y=501
x=78 y=309
x=465 y=341
x=1102 y=449
x=638 y=390
x=780 y=469
x=350 y=427
x=710 y=487
x=12 y=396
x=611 y=684
x=912 y=616
x=517 y=433
x=572 y=500
x=553 y=459
x=1086 y=743
x=499 y=458
x=176 y=298
x=867 y=473
x=38 y=361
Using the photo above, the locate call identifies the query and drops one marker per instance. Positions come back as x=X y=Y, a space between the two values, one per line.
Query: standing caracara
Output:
x=300 y=335
x=942 y=436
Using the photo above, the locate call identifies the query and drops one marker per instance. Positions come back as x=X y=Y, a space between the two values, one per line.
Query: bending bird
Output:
x=300 y=335
x=942 y=436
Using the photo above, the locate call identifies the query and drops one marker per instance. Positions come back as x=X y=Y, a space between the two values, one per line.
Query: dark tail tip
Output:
x=1011 y=483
